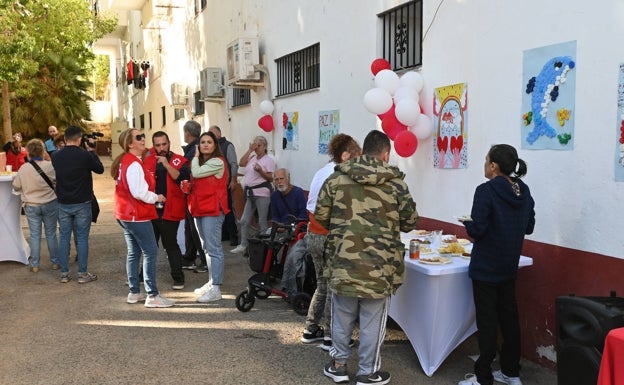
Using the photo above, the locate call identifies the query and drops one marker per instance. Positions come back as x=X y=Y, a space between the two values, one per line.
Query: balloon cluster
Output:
x=396 y=102
x=266 y=121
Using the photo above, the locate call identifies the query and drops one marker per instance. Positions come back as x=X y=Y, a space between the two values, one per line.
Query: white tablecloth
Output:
x=435 y=309
x=12 y=242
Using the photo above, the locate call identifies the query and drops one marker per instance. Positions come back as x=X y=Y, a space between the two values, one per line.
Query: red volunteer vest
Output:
x=175 y=207
x=128 y=208
x=208 y=196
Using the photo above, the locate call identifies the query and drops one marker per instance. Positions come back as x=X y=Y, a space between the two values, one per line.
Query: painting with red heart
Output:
x=450 y=113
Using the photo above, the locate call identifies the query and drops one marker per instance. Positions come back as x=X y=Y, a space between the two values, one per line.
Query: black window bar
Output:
x=402 y=35
x=299 y=71
x=199 y=103
x=241 y=97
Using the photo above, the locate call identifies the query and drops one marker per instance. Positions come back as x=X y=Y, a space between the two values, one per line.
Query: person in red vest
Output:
x=208 y=205
x=15 y=152
x=169 y=169
x=134 y=211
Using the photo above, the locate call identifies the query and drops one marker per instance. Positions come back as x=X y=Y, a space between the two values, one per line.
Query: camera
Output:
x=94 y=136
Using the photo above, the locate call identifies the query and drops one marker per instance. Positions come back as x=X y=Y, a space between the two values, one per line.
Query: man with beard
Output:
x=169 y=169
x=49 y=144
x=288 y=202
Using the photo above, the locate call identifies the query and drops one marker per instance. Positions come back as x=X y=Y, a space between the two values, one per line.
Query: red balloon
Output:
x=266 y=123
x=405 y=144
x=390 y=112
x=391 y=126
x=378 y=65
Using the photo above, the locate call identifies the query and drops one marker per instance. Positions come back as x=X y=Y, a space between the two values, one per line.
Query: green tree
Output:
x=54 y=90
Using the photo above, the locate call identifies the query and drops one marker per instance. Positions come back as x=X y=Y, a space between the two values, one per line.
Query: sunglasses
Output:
x=139 y=137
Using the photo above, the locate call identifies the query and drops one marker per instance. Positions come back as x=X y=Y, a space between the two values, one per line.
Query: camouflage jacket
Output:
x=365 y=204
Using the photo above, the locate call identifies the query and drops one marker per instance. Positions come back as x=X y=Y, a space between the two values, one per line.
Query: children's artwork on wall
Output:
x=290 y=122
x=548 y=96
x=329 y=125
x=450 y=142
x=619 y=130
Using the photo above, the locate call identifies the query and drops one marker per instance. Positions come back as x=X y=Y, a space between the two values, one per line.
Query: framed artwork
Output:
x=329 y=125
x=450 y=116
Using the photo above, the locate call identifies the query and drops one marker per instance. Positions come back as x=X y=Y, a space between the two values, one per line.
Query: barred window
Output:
x=178 y=113
x=142 y=120
x=150 y=120
x=299 y=71
x=199 y=103
x=163 y=109
x=402 y=35
x=241 y=97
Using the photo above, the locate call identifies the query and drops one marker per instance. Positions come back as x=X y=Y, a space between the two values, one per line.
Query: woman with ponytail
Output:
x=502 y=213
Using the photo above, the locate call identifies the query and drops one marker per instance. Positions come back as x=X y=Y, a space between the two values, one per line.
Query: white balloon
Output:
x=387 y=80
x=266 y=107
x=405 y=93
x=407 y=111
x=424 y=128
x=377 y=100
x=412 y=79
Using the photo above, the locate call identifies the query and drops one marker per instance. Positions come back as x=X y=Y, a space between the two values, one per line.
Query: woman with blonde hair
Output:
x=40 y=204
x=134 y=211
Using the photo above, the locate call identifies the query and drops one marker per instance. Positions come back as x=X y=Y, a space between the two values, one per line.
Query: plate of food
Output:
x=463 y=241
x=435 y=260
x=426 y=250
x=452 y=248
x=466 y=256
x=464 y=218
x=423 y=233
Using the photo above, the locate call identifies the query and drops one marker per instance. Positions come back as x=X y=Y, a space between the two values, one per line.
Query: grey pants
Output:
x=319 y=312
x=373 y=314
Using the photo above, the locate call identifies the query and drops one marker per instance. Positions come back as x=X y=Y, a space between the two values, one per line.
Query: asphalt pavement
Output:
x=55 y=333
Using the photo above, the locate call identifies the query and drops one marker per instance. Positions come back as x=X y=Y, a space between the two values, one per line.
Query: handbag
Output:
x=95 y=208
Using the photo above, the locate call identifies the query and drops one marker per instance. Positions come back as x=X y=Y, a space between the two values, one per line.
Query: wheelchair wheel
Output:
x=244 y=301
x=301 y=303
x=262 y=294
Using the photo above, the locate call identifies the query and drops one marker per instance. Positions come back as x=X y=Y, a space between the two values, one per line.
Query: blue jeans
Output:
x=47 y=215
x=209 y=229
x=140 y=240
x=74 y=218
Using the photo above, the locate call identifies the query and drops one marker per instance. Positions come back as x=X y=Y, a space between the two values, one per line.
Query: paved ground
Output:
x=53 y=333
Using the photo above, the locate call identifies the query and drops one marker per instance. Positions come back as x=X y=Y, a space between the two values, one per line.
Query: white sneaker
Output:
x=135 y=297
x=213 y=294
x=500 y=377
x=238 y=249
x=158 y=301
x=469 y=379
x=204 y=289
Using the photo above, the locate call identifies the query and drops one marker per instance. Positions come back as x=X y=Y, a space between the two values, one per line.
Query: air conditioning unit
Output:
x=242 y=56
x=211 y=83
x=179 y=95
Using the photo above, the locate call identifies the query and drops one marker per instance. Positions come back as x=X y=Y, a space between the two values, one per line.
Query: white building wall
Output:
x=479 y=42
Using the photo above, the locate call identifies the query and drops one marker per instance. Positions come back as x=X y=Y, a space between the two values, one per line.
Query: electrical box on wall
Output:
x=211 y=83
x=242 y=56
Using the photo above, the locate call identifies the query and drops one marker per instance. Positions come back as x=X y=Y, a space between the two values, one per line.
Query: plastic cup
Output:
x=8 y=168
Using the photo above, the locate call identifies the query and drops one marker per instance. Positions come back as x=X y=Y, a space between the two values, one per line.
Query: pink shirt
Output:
x=252 y=177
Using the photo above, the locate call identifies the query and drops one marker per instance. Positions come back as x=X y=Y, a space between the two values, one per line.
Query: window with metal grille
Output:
x=178 y=113
x=163 y=109
x=241 y=97
x=150 y=120
x=299 y=71
x=142 y=120
x=402 y=35
x=199 y=103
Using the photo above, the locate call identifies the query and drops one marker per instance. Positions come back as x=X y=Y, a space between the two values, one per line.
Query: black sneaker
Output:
x=188 y=265
x=375 y=378
x=337 y=374
x=327 y=343
x=310 y=336
x=201 y=268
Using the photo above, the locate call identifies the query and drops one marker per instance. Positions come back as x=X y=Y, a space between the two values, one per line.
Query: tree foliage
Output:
x=46 y=60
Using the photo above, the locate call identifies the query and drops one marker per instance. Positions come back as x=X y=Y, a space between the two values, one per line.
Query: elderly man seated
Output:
x=288 y=202
x=288 y=205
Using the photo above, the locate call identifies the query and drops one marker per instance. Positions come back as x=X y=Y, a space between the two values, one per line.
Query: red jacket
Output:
x=16 y=160
x=175 y=207
x=208 y=196
x=128 y=208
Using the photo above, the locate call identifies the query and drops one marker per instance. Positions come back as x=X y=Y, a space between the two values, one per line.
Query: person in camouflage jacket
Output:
x=365 y=204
